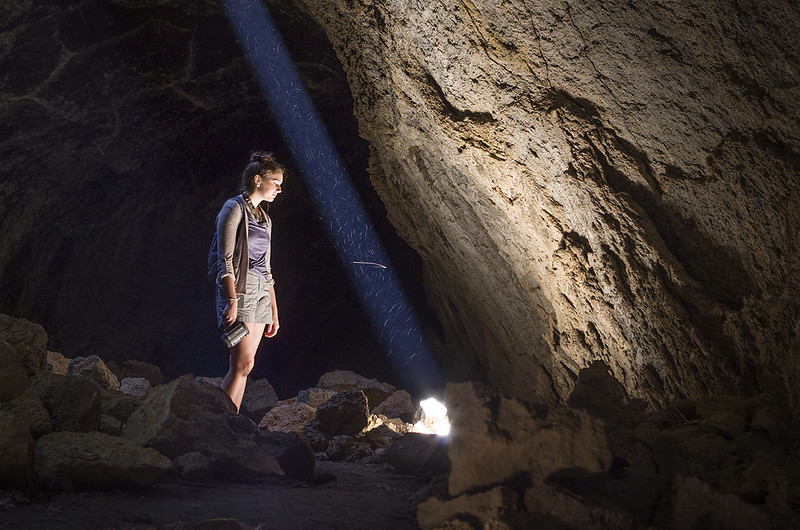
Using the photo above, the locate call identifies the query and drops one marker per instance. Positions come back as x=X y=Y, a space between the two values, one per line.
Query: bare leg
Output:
x=242 y=358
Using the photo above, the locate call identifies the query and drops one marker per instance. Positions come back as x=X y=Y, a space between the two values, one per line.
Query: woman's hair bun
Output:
x=262 y=157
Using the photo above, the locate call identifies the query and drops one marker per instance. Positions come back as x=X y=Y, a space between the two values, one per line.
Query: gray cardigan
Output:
x=232 y=241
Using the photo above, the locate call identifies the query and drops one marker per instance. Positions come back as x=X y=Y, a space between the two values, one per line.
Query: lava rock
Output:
x=346 y=414
x=95 y=369
x=97 y=461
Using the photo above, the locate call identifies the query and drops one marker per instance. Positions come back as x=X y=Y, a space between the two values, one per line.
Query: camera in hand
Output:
x=235 y=334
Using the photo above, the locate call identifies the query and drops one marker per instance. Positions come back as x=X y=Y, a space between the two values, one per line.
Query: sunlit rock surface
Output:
x=591 y=180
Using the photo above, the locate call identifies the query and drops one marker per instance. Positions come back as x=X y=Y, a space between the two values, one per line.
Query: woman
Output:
x=245 y=287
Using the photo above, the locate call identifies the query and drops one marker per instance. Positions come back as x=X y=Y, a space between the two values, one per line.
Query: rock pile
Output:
x=603 y=462
x=80 y=424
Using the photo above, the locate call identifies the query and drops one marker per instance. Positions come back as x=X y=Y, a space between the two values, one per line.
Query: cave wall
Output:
x=125 y=126
x=591 y=180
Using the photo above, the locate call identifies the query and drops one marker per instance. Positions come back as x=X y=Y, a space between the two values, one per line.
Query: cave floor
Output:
x=342 y=495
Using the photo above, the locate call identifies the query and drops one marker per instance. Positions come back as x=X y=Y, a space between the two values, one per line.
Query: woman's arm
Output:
x=272 y=329
x=228 y=222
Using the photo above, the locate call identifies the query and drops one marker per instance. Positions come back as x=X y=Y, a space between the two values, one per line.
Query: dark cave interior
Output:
x=127 y=130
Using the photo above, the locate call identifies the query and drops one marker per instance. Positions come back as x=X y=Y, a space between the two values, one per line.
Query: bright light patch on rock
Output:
x=434 y=418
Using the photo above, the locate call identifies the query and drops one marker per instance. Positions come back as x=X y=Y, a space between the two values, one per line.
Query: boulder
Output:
x=292 y=451
x=482 y=510
x=57 y=363
x=151 y=372
x=695 y=504
x=287 y=416
x=16 y=453
x=340 y=380
x=29 y=409
x=314 y=397
x=726 y=414
x=346 y=413
x=259 y=398
x=194 y=467
x=419 y=454
x=97 y=461
x=14 y=380
x=95 y=369
x=494 y=438
x=381 y=436
x=398 y=405
x=347 y=448
x=73 y=402
x=579 y=499
x=28 y=340
x=137 y=387
x=187 y=416
x=118 y=404
x=109 y=425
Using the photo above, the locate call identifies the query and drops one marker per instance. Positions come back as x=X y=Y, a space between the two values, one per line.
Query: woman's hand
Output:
x=229 y=313
x=272 y=329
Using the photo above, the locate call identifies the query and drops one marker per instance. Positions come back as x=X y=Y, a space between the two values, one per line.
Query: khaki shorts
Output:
x=254 y=307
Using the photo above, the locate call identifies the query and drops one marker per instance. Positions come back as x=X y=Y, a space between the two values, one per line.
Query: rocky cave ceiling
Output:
x=574 y=181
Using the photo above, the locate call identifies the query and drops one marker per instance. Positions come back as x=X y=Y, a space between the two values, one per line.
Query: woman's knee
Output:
x=244 y=365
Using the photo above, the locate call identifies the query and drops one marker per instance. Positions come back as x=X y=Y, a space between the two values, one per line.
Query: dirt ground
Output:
x=350 y=496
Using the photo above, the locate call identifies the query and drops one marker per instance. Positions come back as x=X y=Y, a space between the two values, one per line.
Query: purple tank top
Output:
x=258 y=241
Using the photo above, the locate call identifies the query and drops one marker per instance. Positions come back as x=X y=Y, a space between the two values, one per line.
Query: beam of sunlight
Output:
x=337 y=202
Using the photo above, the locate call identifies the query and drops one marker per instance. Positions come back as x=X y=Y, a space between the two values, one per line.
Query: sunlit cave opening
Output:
x=434 y=418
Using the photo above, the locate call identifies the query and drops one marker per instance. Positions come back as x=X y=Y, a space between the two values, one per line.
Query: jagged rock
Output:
x=725 y=413
x=487 y=509
x=346 y=413
x=211 y=381
x=118 y=404
x=109 y=425
x=341 y=380
x=133 y=368
x=259 y=398
x=319 y=442
x=97 y=461
x=397 y=405
x=29 y=408
x=57 y=363
x=16 y=453
x=137 y=387
x=73 y=402
x=579 y=499
x=95 y=369
x=314 y=397
x=186 y=416
x=347 y=448
x=381 y=436
x=292 y=451
x=194 y=466
x=28 y=340
x=14 y=380
x=287 y=416
x=495 y=438
x=694 y=504
x=419 y=454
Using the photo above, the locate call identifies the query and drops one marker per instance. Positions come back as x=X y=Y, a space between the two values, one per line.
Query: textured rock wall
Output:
x=591 y=180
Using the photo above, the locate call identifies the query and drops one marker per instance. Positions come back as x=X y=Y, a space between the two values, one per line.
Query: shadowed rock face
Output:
x=125 y=126
x=594 y=181
x=591 y=180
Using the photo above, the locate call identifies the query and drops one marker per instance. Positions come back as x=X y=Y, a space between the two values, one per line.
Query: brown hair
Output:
x=261 y=163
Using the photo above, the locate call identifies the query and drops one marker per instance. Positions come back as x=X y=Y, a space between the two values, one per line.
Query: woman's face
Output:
x=269 y=186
